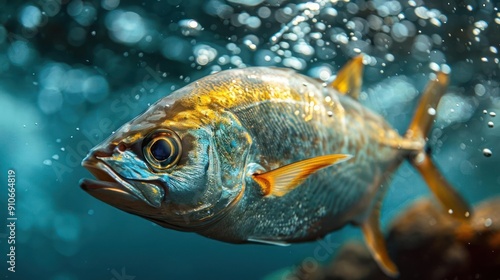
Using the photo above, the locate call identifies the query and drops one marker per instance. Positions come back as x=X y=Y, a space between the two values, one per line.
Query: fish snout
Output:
x=104 y=150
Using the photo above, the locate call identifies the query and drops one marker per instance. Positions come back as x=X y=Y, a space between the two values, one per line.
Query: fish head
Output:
x=172 y=165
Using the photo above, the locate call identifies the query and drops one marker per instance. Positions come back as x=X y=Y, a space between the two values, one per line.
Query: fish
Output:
x=267 y=155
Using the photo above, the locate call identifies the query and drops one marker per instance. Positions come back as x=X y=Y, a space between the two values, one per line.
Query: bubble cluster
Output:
x=454 y=108
x=61 y=84
x=204 y=54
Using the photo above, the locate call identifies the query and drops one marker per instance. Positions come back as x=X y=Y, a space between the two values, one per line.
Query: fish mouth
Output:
x=111 y=188
x=104 y=180
x=104 y=190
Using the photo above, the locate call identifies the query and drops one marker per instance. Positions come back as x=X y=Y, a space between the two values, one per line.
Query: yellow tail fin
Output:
x=419 y=128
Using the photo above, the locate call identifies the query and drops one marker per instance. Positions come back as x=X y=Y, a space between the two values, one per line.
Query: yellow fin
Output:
x=349 y=78
x=280 y=181
x=453 y=203
x=376 y=242
x=418 y=130
x=426 y=110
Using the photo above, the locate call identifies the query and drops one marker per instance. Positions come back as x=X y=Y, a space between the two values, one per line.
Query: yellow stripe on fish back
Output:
x=224 y=91
x=247 y=87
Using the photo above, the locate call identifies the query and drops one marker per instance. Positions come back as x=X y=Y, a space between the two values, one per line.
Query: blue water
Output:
x=72 y=73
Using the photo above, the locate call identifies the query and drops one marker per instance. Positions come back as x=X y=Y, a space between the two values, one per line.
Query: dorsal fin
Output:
x=350 y=78
x=282 y=180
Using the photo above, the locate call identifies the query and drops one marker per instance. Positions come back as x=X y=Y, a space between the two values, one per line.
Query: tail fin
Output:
x=419 y=128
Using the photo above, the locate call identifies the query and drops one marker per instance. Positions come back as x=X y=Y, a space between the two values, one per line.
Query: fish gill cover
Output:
x=72 y=72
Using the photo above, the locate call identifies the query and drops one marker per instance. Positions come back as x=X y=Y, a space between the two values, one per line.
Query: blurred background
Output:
x=71 y=72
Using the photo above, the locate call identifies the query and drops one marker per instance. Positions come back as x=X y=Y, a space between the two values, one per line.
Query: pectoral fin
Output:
x=280 y=181
x=376 y=243
x=349 y=78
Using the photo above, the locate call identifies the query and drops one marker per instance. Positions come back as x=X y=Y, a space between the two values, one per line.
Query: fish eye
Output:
x=162 y=149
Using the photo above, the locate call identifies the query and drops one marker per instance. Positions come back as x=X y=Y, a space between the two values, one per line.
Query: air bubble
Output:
x=30 y=17
x=488 y=222
x=487 y=152
x=434 y=66
x=480 y=90
x=445 y=68
x=190 y=27
x=491 y=124
x=492 y=114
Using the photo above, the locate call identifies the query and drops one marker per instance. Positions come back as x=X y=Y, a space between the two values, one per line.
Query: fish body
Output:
x=254 y=155
x=287 y=117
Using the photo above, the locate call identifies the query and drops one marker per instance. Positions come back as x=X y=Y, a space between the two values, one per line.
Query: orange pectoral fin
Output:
x=280 y=181
x=349 y=78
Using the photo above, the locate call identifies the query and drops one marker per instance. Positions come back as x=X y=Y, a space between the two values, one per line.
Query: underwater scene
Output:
x=249 y=139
